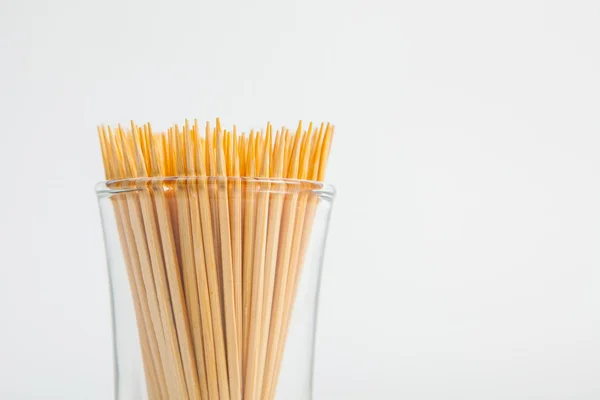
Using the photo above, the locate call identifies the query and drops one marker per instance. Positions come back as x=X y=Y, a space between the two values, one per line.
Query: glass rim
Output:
x=132 y=184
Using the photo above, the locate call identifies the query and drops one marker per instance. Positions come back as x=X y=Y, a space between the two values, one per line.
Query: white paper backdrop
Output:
x=463 y=253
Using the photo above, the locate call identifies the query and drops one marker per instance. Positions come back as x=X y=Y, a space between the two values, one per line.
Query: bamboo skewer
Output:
x=233 y=361
x=236 y=238
x=204 y=295
x=248 y=254
x=214 y=210
x=273 y=234
x=214 y=262
x=213 y=281
x=252 y=384
x=188 y=266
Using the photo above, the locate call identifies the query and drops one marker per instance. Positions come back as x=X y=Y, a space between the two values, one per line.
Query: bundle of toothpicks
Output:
x=214 y=242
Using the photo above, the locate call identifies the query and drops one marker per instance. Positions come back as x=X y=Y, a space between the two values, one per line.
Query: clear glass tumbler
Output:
x=214 y=285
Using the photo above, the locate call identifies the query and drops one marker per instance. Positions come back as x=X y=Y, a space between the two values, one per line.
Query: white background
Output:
x=463 y=260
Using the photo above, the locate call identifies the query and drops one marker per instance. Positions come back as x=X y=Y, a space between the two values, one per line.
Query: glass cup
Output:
x=214 y=285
